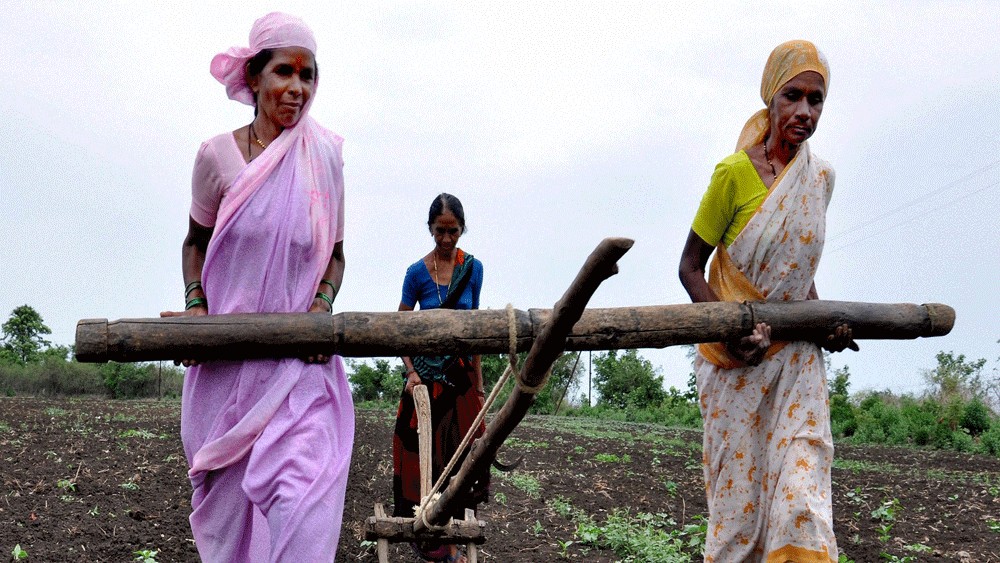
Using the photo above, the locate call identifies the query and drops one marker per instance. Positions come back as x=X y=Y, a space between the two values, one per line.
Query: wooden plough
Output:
x=544 y=333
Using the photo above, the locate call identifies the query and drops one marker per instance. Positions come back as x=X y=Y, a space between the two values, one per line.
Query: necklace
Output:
x=437 y=286
x=766 y=157
x=263 y=146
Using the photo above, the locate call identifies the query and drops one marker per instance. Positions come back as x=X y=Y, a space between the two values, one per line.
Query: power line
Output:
x=913 y=218
x=883 y=216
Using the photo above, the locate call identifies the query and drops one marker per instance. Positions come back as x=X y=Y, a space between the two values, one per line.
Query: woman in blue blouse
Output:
x=446 y=278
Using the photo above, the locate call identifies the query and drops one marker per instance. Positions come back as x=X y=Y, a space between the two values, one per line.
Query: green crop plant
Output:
x=652 y=538
x=561 y=506
x=564 y=548
x=145 y=555
x=144 y=434
x=526 y=444
x=526 y=483
x=612 y=458
x=671 y=487
x=18 y=554
x=918 y=548
x=887 y=511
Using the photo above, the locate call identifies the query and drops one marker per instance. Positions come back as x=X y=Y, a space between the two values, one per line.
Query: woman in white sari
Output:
x=767 y=445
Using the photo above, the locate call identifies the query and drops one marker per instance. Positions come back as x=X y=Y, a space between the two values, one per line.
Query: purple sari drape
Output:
x=279 y=430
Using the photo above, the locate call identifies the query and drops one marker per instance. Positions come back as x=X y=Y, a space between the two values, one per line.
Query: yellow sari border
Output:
x=730 y=284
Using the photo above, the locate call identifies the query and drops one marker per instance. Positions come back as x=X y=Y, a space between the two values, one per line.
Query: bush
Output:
x=990 y=441
x=975 y=417
x=961 y=441
x=129 y=381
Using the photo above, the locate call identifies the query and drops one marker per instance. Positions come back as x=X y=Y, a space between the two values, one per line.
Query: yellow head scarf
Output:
x=787 y=61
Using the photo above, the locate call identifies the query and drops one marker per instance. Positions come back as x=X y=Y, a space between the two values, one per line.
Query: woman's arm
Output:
x=412 y=378
x=192 y=261
x=335 y=274
x=691 y=270
x=694 y=258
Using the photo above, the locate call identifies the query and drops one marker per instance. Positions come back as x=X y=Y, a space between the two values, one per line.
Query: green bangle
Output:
x=330 y=283
x=195 y=302
x=196 y=284
x=327 y=298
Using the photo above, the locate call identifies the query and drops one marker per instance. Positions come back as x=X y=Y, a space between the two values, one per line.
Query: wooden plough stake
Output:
x=545 y=333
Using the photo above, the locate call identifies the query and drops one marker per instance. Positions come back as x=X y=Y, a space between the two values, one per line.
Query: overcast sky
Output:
x=556 y=124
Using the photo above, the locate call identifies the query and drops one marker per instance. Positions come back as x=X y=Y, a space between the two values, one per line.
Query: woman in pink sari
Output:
x=767 y=443
x=268 y=441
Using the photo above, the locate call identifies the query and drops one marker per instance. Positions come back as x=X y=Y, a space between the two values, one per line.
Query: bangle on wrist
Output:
x=325 y=297
x=196 y=284
x=196 y=301
x=329 y=283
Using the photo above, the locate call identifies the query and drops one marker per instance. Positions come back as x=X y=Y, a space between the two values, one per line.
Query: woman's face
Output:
x=446 y=230
x=796 y=107
x=285 y=85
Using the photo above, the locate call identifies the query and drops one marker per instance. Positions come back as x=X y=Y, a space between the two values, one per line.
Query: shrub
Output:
x=961 y=441
x=990 y=440
x=975 y=417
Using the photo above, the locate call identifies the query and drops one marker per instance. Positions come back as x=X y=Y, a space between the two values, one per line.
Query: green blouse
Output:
x=732 y=198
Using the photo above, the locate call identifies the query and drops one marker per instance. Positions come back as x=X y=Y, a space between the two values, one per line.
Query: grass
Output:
x=613 y=458
x=526 y=483
x=144 y=434
x=643 y=537
x=526 y=444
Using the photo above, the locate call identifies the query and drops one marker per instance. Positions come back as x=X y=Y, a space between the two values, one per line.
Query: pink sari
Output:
x=269 y=441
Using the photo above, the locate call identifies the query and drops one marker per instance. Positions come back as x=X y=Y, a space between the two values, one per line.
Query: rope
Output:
x=427 y=502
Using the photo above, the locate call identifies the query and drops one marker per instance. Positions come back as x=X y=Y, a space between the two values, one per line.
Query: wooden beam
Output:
x=396 y=529
x=438 y=331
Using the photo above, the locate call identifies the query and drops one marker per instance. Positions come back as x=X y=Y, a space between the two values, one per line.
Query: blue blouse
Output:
x=418 y=285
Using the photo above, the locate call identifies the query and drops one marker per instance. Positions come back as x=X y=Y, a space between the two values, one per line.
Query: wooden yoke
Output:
x=436 y=332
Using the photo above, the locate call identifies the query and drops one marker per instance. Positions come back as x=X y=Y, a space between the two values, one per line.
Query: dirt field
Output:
x=94 y=480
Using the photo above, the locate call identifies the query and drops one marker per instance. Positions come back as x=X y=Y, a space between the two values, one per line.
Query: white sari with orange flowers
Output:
x=767 y=446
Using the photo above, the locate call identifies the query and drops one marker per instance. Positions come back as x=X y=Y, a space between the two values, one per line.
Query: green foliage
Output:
x=18 y=554
x=129 y=381
x=627 y=380
x=22 y=336
x=956 y=377
x=562 y=384
x=381 y=382
x=668 y=413
x=843 y=422
x=975 y=417
x=990 y=440
x=653 y=538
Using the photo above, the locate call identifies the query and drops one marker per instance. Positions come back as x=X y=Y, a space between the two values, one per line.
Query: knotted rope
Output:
x=429 y=500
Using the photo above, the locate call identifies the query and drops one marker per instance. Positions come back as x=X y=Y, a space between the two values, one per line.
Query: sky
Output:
x=556 y=123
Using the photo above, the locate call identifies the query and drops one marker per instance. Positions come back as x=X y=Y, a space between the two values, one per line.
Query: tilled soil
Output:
x=97 y=480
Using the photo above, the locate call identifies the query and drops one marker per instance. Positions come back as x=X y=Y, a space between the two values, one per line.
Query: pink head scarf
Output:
x=273 y=31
